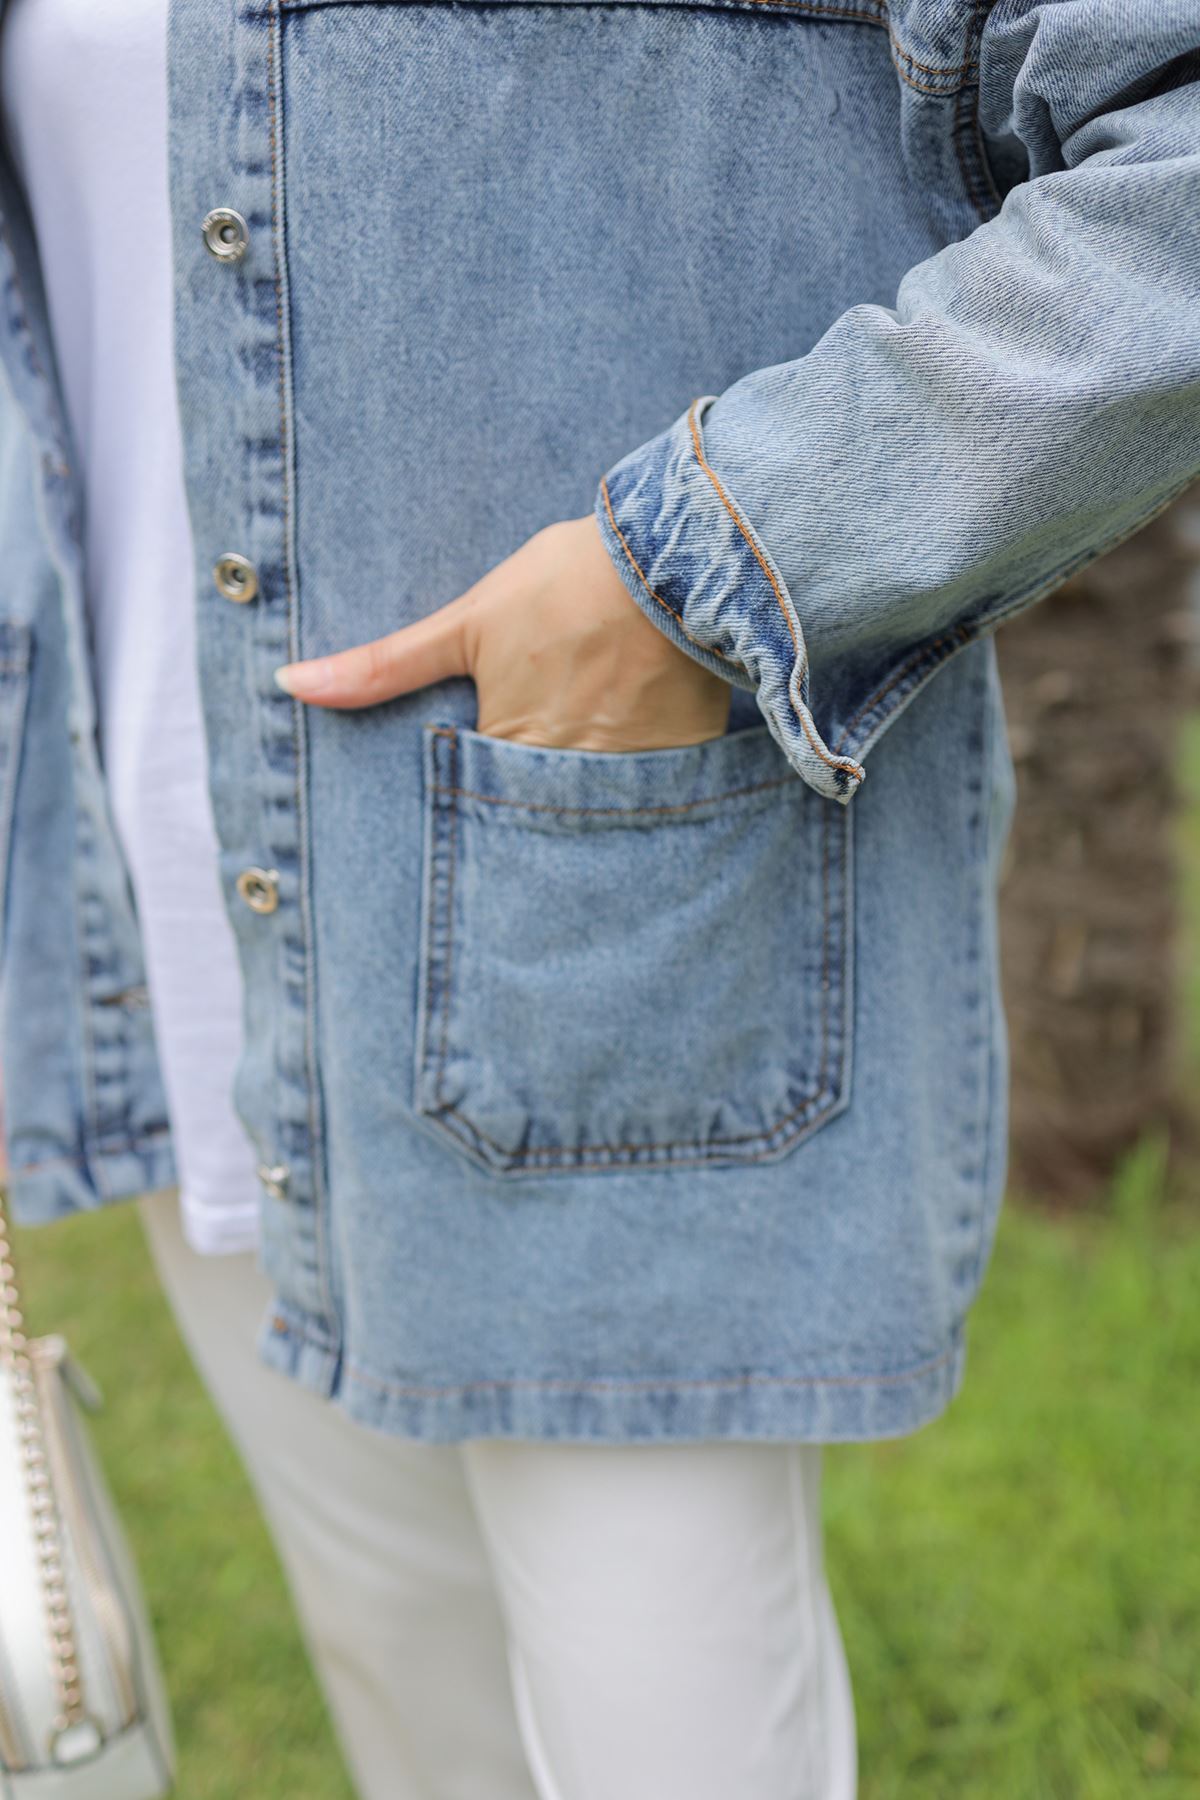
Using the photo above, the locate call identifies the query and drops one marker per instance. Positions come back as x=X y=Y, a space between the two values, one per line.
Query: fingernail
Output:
x=301 y=678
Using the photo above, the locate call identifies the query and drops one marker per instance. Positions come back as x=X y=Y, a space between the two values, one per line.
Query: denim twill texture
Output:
x=658 y=1096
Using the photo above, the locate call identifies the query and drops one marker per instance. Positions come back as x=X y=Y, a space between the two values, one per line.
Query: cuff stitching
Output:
x=801 y=649
x=709 y=649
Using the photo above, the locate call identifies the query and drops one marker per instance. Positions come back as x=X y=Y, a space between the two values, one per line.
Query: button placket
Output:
x=233 y=356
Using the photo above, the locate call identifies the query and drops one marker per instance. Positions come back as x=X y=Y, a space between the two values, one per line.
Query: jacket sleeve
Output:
x=827 y=531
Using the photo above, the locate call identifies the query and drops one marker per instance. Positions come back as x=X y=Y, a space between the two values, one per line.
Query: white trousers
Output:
x=500 y=1620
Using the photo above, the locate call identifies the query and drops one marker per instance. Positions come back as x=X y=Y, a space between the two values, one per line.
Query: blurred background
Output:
x=1018 y=1583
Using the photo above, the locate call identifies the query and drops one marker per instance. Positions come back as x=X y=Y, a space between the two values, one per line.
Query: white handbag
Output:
x=84 y=1713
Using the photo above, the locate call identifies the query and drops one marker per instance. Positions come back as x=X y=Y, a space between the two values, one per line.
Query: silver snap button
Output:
x=259 y=889
x=274 y=1178
x=235 y=576
x=225 y=234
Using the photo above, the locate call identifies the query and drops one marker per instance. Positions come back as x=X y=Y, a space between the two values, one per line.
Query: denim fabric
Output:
x=723 y=1058
x=601 y=1096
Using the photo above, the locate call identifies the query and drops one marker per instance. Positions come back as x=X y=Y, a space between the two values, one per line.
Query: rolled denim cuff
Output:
x=697 y=568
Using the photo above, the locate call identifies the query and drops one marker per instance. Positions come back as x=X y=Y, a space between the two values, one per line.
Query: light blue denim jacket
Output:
x=658 y=1095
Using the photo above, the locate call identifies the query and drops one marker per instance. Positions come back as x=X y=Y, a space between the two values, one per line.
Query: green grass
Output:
x=249 y=1719
x=1188 y=844
x=1018 y=1584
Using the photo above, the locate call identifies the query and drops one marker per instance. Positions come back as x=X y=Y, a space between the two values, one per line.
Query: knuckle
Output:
x=376 y=664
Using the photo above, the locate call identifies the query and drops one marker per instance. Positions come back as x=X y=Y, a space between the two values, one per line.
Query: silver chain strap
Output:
x=14 y=1355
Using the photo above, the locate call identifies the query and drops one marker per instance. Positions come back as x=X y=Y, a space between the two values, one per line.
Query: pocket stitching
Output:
x=439 y=1067
x=802 y=1118
x=629 y=812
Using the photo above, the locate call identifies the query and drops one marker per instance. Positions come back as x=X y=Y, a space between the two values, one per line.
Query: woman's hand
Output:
x=559 y=652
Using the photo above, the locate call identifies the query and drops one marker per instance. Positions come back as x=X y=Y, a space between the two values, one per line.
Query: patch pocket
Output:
x=636 y=959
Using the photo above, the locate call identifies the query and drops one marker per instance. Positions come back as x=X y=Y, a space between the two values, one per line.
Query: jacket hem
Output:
x=813 y=1409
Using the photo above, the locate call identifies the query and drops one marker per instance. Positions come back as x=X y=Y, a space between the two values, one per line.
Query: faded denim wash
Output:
x=658 y=1095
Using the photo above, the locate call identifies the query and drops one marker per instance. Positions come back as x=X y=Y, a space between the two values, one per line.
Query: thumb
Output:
x=413 y=657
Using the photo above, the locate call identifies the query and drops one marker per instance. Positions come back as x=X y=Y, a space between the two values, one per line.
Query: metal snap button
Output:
x=225 y=234
x=274 y=1178
x=259 y=889
x=235 y=576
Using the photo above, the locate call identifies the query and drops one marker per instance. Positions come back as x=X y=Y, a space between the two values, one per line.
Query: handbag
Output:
x=84 y=1713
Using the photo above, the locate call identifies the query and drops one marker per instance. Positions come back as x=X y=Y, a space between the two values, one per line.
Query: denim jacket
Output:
x=656 y=1095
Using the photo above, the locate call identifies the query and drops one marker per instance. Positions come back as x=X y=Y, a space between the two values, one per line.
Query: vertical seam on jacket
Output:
x=447 y=969
x=978 y=182
x=989 y=961
x=299 y=733
x=825 y=968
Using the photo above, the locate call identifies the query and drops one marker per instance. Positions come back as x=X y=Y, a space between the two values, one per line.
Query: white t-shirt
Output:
x=83 y=96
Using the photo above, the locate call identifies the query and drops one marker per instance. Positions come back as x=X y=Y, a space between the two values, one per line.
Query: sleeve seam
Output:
x=937 y=651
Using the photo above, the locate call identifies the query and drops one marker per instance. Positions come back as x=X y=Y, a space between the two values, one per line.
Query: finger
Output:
x=433 y=649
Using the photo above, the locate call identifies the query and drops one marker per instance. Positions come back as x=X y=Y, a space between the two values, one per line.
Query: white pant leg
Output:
x=671 y=1629
x=379 y=1541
